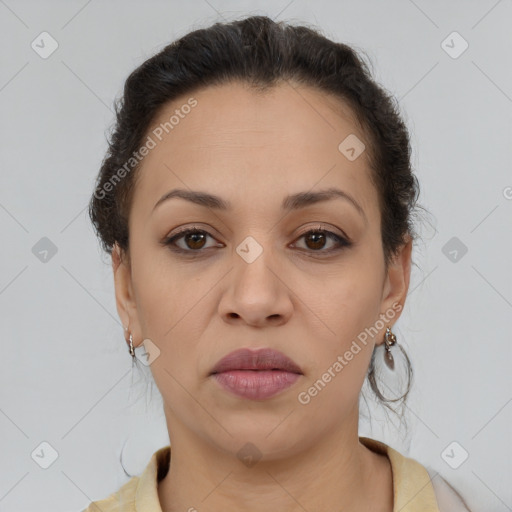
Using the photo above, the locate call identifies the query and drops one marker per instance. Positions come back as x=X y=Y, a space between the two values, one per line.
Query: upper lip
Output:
x=259 y=359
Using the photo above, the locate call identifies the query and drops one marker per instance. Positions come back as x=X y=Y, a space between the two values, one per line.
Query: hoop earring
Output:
x=389 y=340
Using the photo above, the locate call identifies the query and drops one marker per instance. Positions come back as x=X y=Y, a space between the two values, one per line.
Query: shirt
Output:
x=416 y=488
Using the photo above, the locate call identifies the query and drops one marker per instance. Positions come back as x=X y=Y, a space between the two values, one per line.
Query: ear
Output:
x=125 y=300
x=396 y=284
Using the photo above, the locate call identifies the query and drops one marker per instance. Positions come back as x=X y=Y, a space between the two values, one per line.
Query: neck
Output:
x=335 y=473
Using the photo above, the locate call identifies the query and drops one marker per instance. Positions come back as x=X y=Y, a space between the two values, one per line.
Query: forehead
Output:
x=235 y=109
x=285 y=139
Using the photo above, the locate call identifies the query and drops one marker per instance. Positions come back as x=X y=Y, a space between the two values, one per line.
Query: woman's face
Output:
x=253 y=277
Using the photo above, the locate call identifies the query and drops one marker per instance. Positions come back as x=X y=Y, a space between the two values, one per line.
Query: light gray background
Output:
x=66 y=374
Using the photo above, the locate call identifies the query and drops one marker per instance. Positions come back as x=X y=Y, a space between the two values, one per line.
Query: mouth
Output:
x=256 y=374
x=265 y=359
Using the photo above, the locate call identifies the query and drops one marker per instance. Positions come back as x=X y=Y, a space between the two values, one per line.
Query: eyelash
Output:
x=170 y=241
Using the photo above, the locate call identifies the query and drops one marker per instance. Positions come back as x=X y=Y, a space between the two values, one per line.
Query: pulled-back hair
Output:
x=261 y=53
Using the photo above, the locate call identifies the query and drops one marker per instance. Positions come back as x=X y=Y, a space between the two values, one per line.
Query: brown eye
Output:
x=315 y=240
x=195 y=240
x=191 y=240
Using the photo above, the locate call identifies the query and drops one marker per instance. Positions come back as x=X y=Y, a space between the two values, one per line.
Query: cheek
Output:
x=342 y=355
x=353 y=298
x=171 y=311
x=348 y=304
x=164 y=292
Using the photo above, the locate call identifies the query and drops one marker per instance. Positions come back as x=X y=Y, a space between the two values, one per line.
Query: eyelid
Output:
x=170 y=240
x=324 y=227
x=307 y=229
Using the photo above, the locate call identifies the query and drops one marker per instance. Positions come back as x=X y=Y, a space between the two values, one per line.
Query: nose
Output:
x=257 y=293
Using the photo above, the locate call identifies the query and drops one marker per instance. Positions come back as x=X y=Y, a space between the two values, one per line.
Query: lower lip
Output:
x=256 y=384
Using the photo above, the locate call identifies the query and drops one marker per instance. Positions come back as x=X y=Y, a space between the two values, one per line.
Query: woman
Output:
x=256 y=200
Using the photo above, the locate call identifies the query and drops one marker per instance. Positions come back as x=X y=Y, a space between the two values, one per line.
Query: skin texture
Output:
x=253 y=150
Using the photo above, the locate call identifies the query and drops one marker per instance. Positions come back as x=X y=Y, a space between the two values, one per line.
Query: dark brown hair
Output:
x=261 y=53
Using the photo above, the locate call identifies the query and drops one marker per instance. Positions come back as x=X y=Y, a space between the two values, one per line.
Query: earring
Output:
x=390 y=340
x=131 y=349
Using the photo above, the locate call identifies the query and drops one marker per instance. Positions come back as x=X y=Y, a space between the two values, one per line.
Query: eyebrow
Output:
x=290 y=202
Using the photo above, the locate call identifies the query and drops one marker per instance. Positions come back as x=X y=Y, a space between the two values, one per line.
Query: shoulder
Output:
x=448 y=499
x=123 y=499
x=141 y=491
x=416 y=486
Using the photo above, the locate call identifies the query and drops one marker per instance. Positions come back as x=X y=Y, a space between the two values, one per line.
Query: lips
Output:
x=261 y=359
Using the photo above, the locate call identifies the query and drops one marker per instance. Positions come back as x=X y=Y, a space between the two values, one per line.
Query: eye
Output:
x=194 y=240
x=316 y=239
